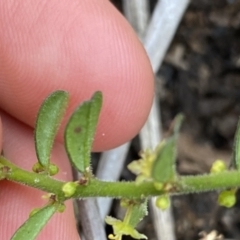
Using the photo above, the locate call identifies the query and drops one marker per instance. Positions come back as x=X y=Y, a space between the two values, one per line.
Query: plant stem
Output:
x=36 y=180
x=97 y=188
x=209 y=182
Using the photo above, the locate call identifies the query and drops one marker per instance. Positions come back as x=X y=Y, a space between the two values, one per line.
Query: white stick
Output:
x=137 y=14
x=162 y=27
x=165 y=20
x=151 y=133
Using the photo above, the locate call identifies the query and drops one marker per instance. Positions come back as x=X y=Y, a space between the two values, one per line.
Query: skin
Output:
x=81 y=47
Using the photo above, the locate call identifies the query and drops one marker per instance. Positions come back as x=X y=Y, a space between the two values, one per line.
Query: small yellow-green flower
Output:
x=143 y=167
x=120 y=228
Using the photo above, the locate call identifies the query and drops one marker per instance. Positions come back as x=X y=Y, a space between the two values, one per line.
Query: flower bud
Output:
x=53 y=169
x=163 y=202
x=69 y=189
x=227 y=198
x=158 y=186
x=218 y=166
x=37 y=167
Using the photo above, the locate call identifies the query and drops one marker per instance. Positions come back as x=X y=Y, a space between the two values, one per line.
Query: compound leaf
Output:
x=47 y=124
x=31 y=228
x=80 y=130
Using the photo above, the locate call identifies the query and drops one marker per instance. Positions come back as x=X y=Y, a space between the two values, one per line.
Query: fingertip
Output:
x=81 y=47
x=120 y=68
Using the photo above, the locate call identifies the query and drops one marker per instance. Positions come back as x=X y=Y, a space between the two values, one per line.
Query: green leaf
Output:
x=139 y=211
x=31 y=228
x=80 y=130
x=163 y=169
x=236 y=153
x=48 y=122
x=164 y=166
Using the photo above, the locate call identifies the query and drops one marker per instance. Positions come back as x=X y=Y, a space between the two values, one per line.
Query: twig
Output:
x=91 y=222
x=88 y=209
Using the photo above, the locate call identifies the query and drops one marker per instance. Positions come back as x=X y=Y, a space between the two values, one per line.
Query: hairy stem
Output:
x=209 y=182
x=97 y=188
x=36 y=180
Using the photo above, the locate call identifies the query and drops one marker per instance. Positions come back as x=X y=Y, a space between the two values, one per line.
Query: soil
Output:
x=200 y=77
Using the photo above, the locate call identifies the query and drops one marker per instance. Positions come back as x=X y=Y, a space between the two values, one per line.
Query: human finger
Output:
x=81 y=47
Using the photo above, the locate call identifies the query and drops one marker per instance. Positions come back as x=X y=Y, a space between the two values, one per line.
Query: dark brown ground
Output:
x=200 y=77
